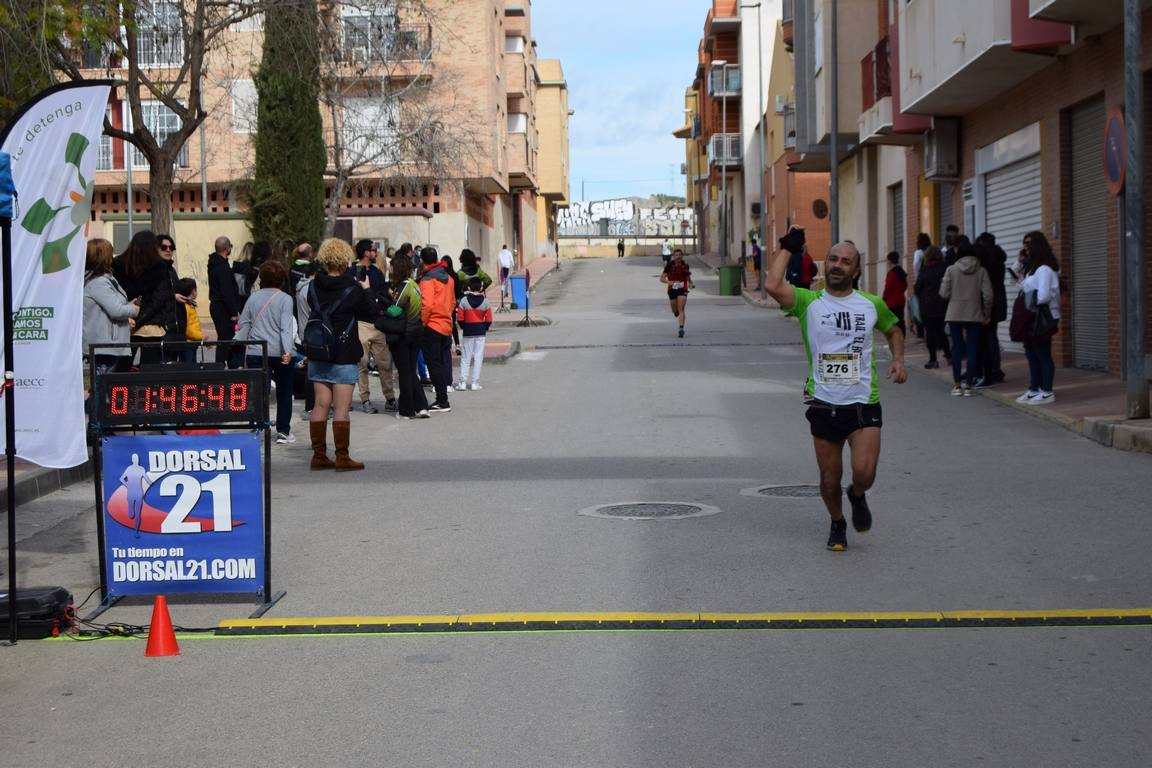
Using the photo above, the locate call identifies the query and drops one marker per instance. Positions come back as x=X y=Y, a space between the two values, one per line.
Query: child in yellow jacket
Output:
x=192 y=332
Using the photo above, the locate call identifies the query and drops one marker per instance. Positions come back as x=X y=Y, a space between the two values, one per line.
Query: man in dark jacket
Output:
x=993 y=259
x=224 y=302
x=369 y=276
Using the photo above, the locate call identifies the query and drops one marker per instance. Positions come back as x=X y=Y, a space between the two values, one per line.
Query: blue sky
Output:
x=627 y=63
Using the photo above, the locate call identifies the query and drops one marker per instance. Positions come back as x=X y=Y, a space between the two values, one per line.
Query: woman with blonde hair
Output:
x=335 y=291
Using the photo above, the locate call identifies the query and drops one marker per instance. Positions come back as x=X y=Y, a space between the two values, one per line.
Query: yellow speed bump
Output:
x=641 y=620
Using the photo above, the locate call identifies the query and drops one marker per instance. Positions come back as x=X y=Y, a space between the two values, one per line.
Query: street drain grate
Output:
x=784 y=491
x=649 y=510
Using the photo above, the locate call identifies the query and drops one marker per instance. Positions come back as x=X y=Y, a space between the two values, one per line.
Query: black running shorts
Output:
x=674 y=292
x=835 y=423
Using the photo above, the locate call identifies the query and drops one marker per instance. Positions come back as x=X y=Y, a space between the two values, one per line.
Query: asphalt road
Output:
x=977 y=506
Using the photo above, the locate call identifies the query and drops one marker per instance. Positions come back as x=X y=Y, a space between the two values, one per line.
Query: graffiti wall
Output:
x=623 y=217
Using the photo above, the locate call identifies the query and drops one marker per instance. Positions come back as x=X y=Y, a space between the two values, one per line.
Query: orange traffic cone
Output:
x=161 y=637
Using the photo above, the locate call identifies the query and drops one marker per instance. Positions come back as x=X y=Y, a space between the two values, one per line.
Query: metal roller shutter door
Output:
x=1011 y=210
x=1090 y=304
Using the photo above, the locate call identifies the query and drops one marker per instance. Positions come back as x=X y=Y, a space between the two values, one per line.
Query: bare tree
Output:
x=388 y=119
x=157 y=50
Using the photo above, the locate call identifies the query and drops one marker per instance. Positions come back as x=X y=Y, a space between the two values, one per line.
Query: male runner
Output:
x=842 y=393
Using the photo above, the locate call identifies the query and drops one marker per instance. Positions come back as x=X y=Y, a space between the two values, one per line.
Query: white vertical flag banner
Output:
x=53 y=142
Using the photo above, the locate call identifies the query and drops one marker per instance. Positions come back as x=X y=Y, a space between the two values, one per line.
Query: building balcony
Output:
x=788 y=10
x=724 y=82
x=879 y=122
x=723 y=16
x=725 y=150
x=875 y=75
x=406 y=42
x=516 y=75
x=1090 y=17
x=789 y=126
x=953 y=60
x=521 y=168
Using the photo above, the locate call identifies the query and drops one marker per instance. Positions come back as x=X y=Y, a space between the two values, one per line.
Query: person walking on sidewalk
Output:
x=842 y=391
x=620 y=248
x=678 y=275
x=933 y=307
x=475 y=318
x=437 y=306
x=969 y=293
x=1039 y=266
x=506 y=262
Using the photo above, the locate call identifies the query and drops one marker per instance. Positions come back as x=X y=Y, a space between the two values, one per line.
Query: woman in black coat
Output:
x=148 y=275
x=933 y=307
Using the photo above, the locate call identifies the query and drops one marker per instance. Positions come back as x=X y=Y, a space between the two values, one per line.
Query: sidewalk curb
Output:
x=1109 y=431
x=41 y=481
x=510 y=323
x=513 y=350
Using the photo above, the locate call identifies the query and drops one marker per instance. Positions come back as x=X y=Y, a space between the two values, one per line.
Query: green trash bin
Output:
x=729 y=279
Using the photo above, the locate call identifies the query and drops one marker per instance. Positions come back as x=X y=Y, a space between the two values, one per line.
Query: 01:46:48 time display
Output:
x=184 y=399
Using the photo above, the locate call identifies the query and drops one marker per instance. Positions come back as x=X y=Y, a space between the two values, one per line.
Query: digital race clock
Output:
x=182 y=396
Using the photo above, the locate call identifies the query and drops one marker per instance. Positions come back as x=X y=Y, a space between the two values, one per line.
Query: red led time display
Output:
x=182 y=396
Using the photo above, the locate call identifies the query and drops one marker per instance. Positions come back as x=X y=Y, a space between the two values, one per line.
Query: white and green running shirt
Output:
x=837 y=335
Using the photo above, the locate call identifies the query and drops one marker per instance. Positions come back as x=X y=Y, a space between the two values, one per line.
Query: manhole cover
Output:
x=784 y=491
x=649 y=510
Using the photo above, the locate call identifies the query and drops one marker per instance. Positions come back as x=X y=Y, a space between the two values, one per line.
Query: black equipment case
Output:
x=40 y=612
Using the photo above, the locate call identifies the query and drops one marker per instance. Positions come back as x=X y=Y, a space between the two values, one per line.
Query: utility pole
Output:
x=834 y=117
x=1134 y=213
x=763 y=286
x=722 y=65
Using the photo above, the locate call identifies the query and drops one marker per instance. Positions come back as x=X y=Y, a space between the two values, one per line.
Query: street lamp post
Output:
x=722 y=65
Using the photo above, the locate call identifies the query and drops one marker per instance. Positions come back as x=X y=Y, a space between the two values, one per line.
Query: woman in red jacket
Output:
x=678 y=275
x=896 y=289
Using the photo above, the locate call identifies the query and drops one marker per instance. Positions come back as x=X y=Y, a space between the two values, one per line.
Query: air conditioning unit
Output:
x=780 y=102
x=942 y=149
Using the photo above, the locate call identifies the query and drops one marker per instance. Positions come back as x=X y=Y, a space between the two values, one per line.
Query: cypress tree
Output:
x=288 y=188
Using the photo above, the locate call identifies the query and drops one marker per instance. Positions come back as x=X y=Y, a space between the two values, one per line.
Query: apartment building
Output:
x=745 y=68
x=479 y=57
x=795 y=197
x=718 y=110
x=987 y=114
x=1027 y=86
x=552 y=195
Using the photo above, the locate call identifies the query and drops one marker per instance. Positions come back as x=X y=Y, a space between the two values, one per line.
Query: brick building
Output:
x=987 y=114
x=739 y=40
x=481 y=58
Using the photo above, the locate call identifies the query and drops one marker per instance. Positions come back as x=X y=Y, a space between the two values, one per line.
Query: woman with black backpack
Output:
x=332 y=346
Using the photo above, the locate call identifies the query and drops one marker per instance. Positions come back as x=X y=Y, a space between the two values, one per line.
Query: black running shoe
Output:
x=861 y=515
x=838 y=536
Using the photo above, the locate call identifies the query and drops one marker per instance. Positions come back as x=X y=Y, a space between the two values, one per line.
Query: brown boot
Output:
x=319 y=432
x=341 y=432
